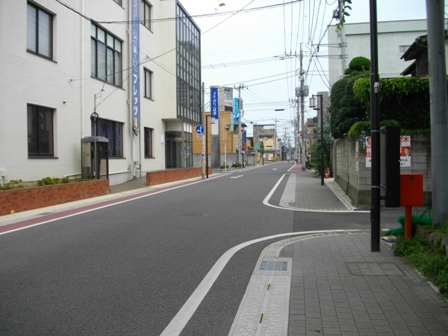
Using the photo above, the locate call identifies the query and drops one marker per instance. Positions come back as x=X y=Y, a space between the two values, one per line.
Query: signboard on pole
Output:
x=214 y=103
x=244 y=146
x=236 y=109
x=135 y=81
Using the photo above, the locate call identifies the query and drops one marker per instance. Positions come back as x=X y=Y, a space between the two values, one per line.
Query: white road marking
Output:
x=182 y=317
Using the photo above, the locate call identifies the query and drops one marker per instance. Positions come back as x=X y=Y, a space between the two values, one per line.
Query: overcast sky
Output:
x=249 y=47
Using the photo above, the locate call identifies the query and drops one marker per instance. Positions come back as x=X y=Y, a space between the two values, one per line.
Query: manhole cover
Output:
x=274 y=266
x=375 y=269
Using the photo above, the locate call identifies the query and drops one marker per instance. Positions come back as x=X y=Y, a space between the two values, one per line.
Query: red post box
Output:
x=411 y=189
x=411 y=194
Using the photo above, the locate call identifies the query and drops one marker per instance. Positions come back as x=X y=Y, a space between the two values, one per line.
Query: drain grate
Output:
x=274 y=266
x=375 y=269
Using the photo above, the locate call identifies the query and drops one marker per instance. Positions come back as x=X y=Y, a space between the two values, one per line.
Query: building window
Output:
x=105 y=56
x=148 y=142
x=120 y=2
x=188 y=70
x=113 y=131
x=148 y=84
x=40 y=131
x=39 y=31
x=145 y=14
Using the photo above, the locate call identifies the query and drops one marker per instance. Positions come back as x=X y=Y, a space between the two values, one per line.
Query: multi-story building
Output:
x=133 y=66
x=394 y=38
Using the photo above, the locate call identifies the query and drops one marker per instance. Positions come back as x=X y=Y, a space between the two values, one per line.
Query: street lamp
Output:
x=315 y=106
x=275 y=137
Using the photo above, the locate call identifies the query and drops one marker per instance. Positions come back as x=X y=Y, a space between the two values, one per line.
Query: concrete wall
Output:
x=352 y=175
x=391 y=35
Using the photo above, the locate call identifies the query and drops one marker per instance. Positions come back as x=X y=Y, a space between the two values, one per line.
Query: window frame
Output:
x=146 y=14
x=149 y=80
x=35 y=131
x=107 y=126
x=36 y=31
x=106 y=48
x=149 y=142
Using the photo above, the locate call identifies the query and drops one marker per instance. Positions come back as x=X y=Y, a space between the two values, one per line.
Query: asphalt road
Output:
x=128 y=269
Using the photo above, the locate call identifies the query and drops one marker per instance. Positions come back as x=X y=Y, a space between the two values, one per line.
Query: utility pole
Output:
x=240 y=105
x=438 y=108
x=296 y=127
x=375 y=212
x=302 y=107
x=342 y=37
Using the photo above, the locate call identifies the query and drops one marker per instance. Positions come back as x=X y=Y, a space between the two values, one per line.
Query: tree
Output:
x=345 y=109
x=358 y=65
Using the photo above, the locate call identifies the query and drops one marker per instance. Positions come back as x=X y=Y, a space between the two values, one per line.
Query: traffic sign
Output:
x=200 y=129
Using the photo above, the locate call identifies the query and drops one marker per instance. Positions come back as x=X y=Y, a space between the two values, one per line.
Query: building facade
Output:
x=394 y=38
x=111 y=61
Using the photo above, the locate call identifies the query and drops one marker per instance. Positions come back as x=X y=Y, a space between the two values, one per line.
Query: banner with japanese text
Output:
x=135 y=81
x=214 y=103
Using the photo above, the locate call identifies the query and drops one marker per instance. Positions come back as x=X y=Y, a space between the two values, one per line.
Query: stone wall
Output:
x=352 y=175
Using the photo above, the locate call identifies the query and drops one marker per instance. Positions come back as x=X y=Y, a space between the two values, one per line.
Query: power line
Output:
x=240 y=11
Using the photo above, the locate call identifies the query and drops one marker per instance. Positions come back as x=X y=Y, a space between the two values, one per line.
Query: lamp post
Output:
x=94 y=120
x=315 y=106
x=275 y=137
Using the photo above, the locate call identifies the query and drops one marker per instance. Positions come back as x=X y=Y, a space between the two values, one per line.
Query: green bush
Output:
x=13 y=184
x=359 y=64
x=223 y=166
x=46 y=181
x=236 y=165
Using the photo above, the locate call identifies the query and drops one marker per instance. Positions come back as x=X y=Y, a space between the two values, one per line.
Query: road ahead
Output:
x=128 y=269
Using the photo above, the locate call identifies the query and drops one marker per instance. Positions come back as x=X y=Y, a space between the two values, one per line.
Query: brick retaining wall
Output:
x=18 y=200
x=172 y=175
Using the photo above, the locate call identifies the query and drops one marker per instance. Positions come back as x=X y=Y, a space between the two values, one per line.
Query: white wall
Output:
x=26 y=78
x=391 y=35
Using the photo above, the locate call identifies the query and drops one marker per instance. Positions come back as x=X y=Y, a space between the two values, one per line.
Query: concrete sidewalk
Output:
x=334 y=284
x=339 y=287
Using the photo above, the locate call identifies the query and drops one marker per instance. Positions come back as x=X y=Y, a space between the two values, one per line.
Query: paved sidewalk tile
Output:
x=339 y=287
x=310 y=194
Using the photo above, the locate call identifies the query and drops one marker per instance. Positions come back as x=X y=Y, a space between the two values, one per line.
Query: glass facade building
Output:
x=188 y=46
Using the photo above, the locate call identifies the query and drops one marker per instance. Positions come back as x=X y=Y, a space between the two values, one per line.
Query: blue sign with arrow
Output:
x=200 y=129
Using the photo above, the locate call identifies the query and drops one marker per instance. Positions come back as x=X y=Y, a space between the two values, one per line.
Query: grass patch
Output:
x=429 y=260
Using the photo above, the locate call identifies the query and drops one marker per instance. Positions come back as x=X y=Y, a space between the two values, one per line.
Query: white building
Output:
x=394 y=38
x=63 y=60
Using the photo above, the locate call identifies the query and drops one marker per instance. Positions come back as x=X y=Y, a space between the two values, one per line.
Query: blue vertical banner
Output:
x=236 y=109
x=214 y=102
x=135 y=82
x=244 y=145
